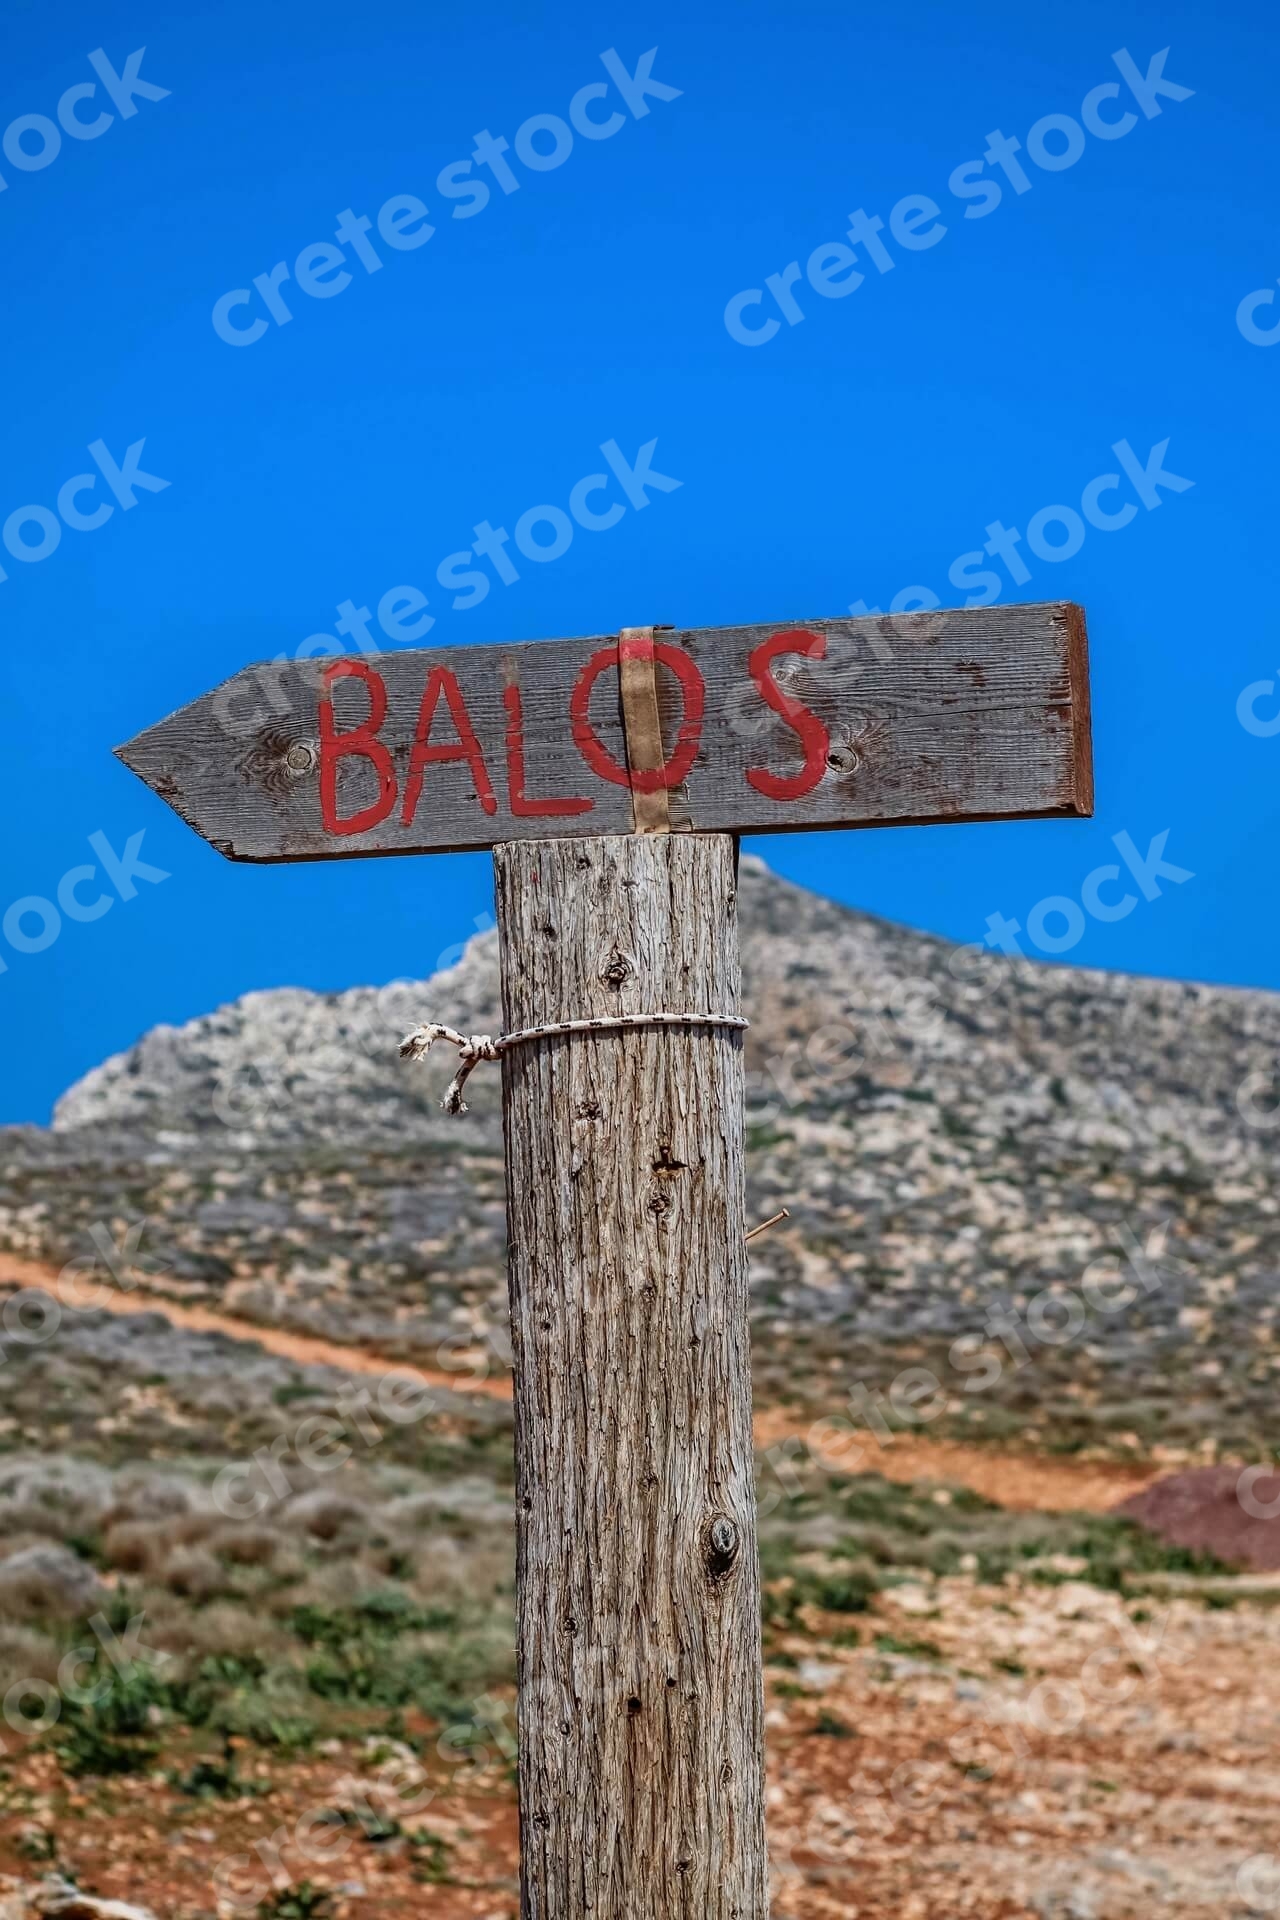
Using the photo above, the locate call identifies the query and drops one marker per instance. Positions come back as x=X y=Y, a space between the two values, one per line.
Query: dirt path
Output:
x=1039 y=1483
x=1030 y=1482
x=304 y=1349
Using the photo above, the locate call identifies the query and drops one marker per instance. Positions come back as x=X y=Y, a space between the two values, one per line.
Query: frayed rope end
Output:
x=473 y=1049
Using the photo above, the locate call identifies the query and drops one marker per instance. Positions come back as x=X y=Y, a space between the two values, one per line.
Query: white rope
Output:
x=482 y=1046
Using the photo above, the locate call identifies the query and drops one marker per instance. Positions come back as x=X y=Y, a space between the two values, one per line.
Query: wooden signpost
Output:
x=611 y=778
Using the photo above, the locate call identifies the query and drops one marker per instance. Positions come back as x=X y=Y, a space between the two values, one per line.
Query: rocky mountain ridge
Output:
x=956 y=1135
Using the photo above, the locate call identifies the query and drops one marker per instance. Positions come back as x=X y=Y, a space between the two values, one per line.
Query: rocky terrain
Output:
x=1007 y=1675
x=973 y=1707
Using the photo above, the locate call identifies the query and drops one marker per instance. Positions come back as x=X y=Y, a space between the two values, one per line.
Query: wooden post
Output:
x=638 y=1586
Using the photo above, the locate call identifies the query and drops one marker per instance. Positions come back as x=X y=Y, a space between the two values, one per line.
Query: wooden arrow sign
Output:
x=969 y=714
x=641 y=1705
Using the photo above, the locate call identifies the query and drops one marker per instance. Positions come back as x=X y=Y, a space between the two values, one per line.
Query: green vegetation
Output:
x=829 y=1593
x=431 y=1858
x=113 y=1732
x=357 y=1655
x=839 y=1540
x=908 y=1649
x=830 y=1725
x=301 y=1902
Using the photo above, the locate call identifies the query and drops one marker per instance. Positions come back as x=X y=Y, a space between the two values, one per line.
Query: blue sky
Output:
x=850 y=456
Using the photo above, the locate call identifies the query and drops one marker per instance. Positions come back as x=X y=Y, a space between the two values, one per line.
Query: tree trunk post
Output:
x=637 y=1577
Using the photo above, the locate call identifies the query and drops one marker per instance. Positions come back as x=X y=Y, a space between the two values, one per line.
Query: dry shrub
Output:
x=394 y=1559
x=133 y=1546
x=174 y=1625
x=44 y=1581
x=325 y=1515
x=141 y=1543
x=246 y=1546
x=331 y=1587
x=45 y=1519
x=288 y=1566
x=26 y=1655
x=13 y=1544
x=54 y=1493
x=192 y=1528
x=221 y=1628
x=147 y=1498
x=194 y=1574
x=26 y=1520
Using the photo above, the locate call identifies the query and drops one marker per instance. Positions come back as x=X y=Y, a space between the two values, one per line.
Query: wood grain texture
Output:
x=966 y=714
x=638 y=1594
x=642 y=726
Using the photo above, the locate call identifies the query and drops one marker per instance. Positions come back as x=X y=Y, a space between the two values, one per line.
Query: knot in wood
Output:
x=274 y=760
x=660 y=1201
x=617 y=969
x=723 y=1542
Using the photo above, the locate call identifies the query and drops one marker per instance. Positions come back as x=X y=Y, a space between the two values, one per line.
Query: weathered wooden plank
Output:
x=961 y=714
x=638 y=1595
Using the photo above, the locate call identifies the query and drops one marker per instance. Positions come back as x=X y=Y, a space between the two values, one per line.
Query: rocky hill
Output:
x=957 y=1136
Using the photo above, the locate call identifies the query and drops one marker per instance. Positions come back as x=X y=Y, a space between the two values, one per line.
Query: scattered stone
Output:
x=57 y=1899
